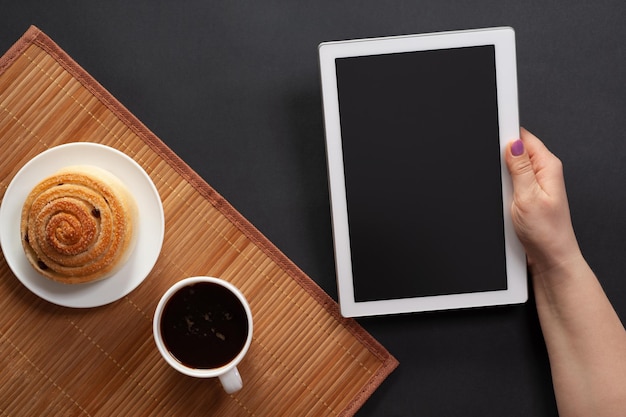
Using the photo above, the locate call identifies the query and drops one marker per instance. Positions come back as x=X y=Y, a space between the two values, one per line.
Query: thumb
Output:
x=520 y=167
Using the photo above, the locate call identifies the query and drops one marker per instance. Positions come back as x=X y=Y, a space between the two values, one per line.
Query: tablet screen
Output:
x=421 y=156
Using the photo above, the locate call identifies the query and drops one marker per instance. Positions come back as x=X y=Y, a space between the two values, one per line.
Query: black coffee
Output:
x=204 y=325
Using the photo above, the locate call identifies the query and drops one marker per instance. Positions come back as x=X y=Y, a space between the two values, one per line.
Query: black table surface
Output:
x=233 y=88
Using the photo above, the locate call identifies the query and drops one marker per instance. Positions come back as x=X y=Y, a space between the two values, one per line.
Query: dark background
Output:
x=233 y=88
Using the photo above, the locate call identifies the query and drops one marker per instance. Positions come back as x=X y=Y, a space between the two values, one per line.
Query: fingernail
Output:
x=517 y=148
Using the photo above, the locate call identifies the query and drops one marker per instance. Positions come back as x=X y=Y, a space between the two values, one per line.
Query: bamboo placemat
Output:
x=304 y=360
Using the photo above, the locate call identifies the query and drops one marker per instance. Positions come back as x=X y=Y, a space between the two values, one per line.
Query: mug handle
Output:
x=231 y=381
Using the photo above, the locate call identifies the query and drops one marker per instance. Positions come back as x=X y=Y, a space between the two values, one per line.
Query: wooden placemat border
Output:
x=36 y=36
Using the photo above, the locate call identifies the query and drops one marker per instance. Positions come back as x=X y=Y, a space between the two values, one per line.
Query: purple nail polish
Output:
x=517 y=148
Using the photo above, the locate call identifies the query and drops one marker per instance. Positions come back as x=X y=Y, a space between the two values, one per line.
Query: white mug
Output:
x=227 y=373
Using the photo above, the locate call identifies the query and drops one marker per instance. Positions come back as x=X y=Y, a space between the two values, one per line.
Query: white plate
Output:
x=150 y=232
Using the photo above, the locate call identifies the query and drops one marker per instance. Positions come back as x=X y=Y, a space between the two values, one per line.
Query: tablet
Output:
x=416 y=127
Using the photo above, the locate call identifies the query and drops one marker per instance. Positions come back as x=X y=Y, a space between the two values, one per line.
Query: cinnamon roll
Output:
x=78 y=225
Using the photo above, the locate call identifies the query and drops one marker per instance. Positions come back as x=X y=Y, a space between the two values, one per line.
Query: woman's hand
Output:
x=540 y=210
x=585 y=338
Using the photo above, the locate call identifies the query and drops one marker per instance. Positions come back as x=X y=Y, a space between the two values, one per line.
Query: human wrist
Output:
x=559 y=272
x=553 y=251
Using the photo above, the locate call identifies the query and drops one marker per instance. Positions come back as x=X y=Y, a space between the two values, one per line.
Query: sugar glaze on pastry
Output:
x=78 y=225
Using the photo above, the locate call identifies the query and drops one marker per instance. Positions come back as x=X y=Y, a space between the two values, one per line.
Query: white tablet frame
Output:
x=503 y=39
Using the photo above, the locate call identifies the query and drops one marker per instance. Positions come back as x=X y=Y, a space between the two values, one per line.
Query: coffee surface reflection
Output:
x=204 y=325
